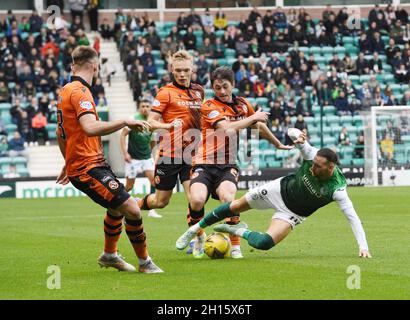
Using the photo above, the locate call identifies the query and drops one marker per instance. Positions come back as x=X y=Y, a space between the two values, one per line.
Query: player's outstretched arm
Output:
x=299 y=139
x=346 y=205
x=62 y=177
x=93 y=128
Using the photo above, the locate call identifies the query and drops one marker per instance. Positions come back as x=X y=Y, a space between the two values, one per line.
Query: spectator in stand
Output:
x=393 y=132
x=304 y=105
x=106 y=31
x=77 y=8
x=207 y=19
x=190 y=39
x=168 y=47
x=342 y=104
x=24 y=127
x=359 y=147
x=16 y=146
x=4 y=146
x=375 y=64
x=405 y=101
x=365 y=45
x=362 y=65
x=297 y=83
x=15 y=111
x=402 y=74
x=194 y=20
x=242 y=46
x=101 y=100
x=301 y=124
x=4 y=93
x=150 y=69
x=39 y=123
x=344 y=139
x=35 y=21
x=12 y=172
x=387 y=147
x=92 y=8
x=220 y=23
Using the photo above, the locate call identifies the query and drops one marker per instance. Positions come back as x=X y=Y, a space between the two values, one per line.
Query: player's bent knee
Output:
x=261 y=241
x=162 y=203
x=197 y=203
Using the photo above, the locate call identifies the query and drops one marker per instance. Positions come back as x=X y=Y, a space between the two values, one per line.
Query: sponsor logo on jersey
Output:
x=156 y=103
x=113 y=185
x=160 y=172
x=213 y=114
x=87 y=105
x=105 y=179
x=190 y=104
x=264 y=192
x=310 y=186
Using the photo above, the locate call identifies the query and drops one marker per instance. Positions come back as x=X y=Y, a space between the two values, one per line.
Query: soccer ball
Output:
x=217 y=245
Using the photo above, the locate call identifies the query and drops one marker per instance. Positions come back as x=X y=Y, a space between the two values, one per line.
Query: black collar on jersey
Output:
x=230 y=104
x=176 y=84
x=77 y=78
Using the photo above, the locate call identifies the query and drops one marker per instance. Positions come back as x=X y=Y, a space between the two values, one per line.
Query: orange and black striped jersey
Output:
x=82 y=152
x=177 y=102
x=215 y=147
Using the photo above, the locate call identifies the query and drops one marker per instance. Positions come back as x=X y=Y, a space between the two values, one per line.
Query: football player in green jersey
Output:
x=315 y=184
x=137 y=154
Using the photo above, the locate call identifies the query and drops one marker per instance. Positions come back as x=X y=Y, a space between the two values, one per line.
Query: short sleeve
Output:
x=211 y=113
x=161 y=101
x=83 y=102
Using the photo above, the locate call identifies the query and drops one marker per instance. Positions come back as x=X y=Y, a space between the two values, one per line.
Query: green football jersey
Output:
x=303 y=194
x=139 y=143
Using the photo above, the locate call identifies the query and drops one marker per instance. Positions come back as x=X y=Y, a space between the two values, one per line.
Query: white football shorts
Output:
x=268 y=196
x=137 y=166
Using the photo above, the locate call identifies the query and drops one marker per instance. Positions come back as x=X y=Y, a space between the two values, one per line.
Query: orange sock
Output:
x=136 y=234
x=235 y=240
x=198 y=215
x=112 y=232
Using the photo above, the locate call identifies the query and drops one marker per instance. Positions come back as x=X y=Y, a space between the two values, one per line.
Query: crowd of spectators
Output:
x=35 y=63
x=269 y=60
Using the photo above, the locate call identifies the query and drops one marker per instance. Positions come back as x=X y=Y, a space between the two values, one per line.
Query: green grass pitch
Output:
x=311 y=263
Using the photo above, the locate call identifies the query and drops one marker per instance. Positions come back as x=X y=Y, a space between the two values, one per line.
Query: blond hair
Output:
x=84 y=54
x=181 y=55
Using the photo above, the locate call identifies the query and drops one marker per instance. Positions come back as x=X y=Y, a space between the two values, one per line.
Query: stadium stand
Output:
x=285 y=62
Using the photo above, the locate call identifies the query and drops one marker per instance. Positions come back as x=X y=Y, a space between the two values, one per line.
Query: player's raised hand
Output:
x=260 y=116
x=364 y=254
x=62 y=177
x=138 y=125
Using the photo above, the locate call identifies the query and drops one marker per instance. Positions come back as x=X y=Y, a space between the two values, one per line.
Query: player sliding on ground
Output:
x=315 y=184
x=79 y=137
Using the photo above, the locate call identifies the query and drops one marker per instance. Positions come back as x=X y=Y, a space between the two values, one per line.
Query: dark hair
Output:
x=329 y=154
x=223 y=73
x=143 y=100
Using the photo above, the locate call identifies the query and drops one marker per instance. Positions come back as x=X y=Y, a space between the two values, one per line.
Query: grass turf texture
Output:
x=310 y=264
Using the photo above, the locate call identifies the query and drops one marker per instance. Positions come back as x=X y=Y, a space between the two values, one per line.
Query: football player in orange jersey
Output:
x=214 y=170
x=79 y=137
x=175 y=111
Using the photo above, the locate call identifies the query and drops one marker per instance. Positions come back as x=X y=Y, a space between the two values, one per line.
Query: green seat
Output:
x=156 y=54
x=262 y=101
x=346 y=162
x=5 y=106
x=346 y=121
x=358 y=120
x=358 y=162
x=339 y=50
x=315 y=50
x=336 y=129
x=354 y=78
x=315 y=141
x=332 y=120
x=348 y=40
x=329 y=140
x=329 y=110
x=326 y=50
x=10 y=128
x=263 y=144
x=159 y=63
